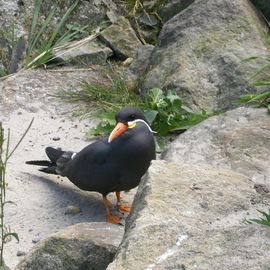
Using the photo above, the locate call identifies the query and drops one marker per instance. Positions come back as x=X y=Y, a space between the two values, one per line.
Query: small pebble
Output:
x=21 y=253
x=56 y=138
x=72 y=210
x=35 y=240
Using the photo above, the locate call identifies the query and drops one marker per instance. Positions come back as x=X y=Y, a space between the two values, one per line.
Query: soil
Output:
x=44 y=203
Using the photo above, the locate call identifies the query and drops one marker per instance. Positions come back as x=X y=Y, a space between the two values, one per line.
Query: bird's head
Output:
x=127 y=118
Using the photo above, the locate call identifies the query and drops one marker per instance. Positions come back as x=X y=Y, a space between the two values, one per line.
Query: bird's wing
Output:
x=93 y=168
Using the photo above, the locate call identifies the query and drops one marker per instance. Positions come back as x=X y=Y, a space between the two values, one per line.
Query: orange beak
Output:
x=119 y=129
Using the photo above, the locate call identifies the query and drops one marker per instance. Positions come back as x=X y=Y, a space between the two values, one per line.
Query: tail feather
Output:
x=57 y=163
x=54 y=154
x=39 y=162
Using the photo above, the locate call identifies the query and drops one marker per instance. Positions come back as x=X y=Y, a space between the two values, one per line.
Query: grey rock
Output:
x=200 y=53
x=121 y=38
x=173 y=226
x=36 y=239
x=148 y=20
x=171 y=8
x=31 y=89
x=139 y=65
x=89 y=53
x=81 y=246
x=87 y=13
x=237 y=140
x=21 y=253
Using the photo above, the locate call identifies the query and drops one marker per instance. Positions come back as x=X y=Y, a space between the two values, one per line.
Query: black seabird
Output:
x=108 y=165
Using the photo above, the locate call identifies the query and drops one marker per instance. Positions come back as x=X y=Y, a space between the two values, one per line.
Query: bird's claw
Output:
x=113 y=219
x=123 y=209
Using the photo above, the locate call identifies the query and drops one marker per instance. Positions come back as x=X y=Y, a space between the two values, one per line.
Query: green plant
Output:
x=166 y=113
x=5 y=154
x=257 y=100
x=264 y=220
x=261 y=80
x=109 y=96
x=42 y=41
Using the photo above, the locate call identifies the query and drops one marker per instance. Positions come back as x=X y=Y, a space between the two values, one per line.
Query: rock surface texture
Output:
x=88 y=246
x=121 y=38
x=88 y=53
x=192 y=217
x=88 y=12
x=237 y=140
x=200 y=53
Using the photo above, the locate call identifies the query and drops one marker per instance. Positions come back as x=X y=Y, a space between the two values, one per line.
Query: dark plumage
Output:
x=108 y=165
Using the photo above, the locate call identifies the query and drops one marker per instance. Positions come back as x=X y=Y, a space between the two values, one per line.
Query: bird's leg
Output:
x=109 y=217
x=124 y=209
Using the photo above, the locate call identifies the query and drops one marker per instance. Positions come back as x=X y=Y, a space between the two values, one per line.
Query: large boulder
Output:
x=237 y=140
x=200 y=53
x=88 y=246
x=192 y=217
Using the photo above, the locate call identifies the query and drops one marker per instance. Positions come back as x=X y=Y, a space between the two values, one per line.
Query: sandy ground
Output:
x=41 y=199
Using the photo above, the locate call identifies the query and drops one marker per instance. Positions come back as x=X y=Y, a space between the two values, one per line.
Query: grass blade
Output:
x=18 y=143
x=61 y=24
x=42 y=29
x=34 y=21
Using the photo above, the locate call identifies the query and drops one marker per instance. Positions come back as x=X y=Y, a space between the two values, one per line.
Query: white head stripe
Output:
x=142 y=121
x=73 y=155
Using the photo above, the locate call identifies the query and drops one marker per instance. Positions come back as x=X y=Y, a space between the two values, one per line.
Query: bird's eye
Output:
x=133 y=117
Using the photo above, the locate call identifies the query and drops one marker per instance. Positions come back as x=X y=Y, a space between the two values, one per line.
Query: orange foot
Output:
x=123 y=209
x=113 y=219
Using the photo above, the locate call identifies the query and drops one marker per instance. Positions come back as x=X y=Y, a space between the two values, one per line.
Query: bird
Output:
x=112 y=164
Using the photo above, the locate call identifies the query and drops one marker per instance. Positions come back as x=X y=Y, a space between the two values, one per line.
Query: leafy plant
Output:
x=166 y=114
x=42 y=42
x=264 y=220
x=5 y=154
x=164 y=111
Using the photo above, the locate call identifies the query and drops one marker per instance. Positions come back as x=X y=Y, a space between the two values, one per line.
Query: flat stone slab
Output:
x=87 y=53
